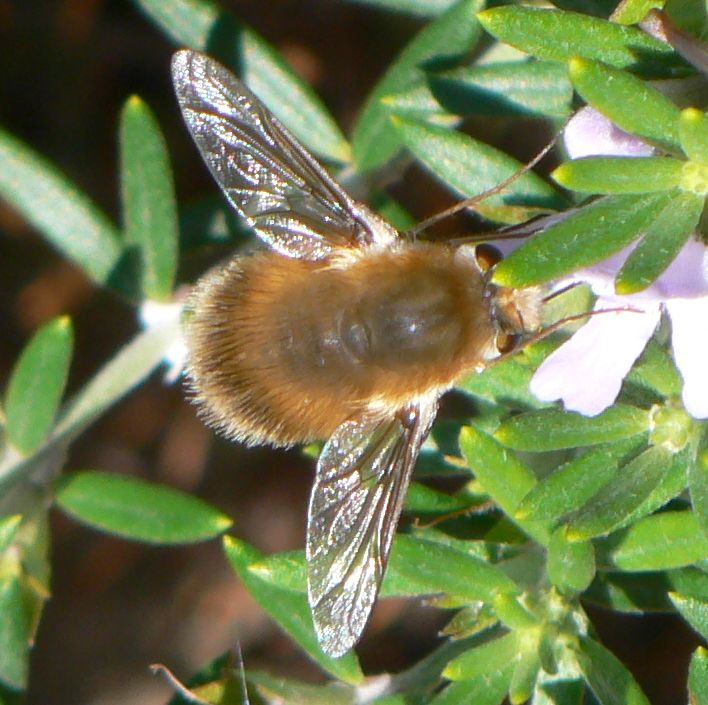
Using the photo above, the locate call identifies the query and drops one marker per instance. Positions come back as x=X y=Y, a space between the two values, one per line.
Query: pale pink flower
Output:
x=586 y=372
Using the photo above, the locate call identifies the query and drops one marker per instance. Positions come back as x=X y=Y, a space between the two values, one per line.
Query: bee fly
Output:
x=341 y=330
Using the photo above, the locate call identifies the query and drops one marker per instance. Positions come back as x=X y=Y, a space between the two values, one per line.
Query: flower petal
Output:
x=590 y=134
x=689 y=337
x=586 y=372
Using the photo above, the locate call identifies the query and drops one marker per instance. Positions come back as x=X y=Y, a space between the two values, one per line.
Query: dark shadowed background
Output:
x=66 y=67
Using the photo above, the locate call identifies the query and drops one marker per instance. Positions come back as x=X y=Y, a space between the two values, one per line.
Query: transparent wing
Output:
x=362 y=476
x=268 y=177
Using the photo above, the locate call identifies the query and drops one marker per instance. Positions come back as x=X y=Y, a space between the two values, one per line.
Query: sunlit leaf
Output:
x=694 y=611
x=441 y=44
x=149 y=207
x=492 y=657
x=559 y=36
x=135 y=509
x=289 y=609
x=609 y=680
x=202 y=25
x=56 y=207
x=698 y=677
x=693 y=134
x=37 y=383
x=662 y=241
x=611 y=506
x=552 y=429
x=14 y=634
x=662 y=541
x=585 y=237
x=571 y=565
x=617 y=95
x=620 y=174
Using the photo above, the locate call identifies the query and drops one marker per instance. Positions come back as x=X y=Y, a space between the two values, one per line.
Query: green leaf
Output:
x=37 y=384
x=575 y=482
x=289 y=609
x=559 y=36
x=510 y=88
x=441 y=43
x=506 y=382
x=698 y=485
x=587 y=236
x=469 y=167
x=659 y=542
x=662 y=241
x=611 y=506
x=292 y=692
x=693 y=134
x=694 y=611
x=135 y=509
x=14 y=634
x=655 y=370
x=571 y=565
x=698 y=677
x=414 y=568
x=553 y=429
x=488 y=689
x=8 y=530
x=502 y=475
x=422 y=500
x=609 y=680
x=202 y=25
x=620 y=174
x=634 y=11
x=628 y=101
x=149 y=207
x=53 y=205
x=524 y=679
x=492 y=657
x=130 y=366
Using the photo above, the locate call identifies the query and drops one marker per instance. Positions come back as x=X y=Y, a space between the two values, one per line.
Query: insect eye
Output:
x=506 y=342
x=487 y=256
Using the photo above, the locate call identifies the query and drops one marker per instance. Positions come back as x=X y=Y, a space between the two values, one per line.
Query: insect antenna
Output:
x=474 y=200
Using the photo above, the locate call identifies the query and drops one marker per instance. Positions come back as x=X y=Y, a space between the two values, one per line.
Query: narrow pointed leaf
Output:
x=575 y=482
x=14 y=634
x=414 y=568
x=442 y=43
x=620 y=174
x=622 y=496
x=37 y=385
x=469 y=167
x=587 y=236
x=488 y=689
x=149 y=207
x=609 y=680
x=524 y=679
x=661 y=541
x=559 y=36
x=202 y=25
x=553 y=429
x=571 y=565
x=504 y=477
x=694 y=611
x=693 y=134
x=698 y=677
x=662 y=241
x=655 y=370
x=56 y=207
x=135 y=509
x=289 y=609
x=8 y=530
x=634 y=11
x=698 y=485
x=511 y=88
x=492 y=657
x=628 y=101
